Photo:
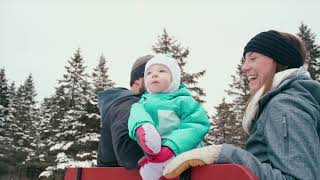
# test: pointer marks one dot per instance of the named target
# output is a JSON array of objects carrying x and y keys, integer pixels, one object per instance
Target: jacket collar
[{"x": 280, "y": 81}]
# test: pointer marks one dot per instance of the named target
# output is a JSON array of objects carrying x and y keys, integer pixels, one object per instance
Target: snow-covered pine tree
[
  {"x": 74, "y": 143},
  {"x": 222, "y": 124},
  {"x": 7, "y": 161},
  {"x": 75, "y": 82},
  {"x": 25, "y": 125},
  {"x": 13, "y": 111},
  {"x": 101, "y": 79},
  {"x": 230, "y": 113},
  {"x": 313, "y": 50},
  {"x": 13, "y": 98},
  {"x": 52, "y": 111},
  {"x": 239, "y": 92},
  {"x": 4, "y": 89},
  {"x": 168, "y": 45}
]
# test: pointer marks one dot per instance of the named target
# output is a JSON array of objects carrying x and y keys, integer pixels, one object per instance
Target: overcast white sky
[{"x": 39, "y": 36}]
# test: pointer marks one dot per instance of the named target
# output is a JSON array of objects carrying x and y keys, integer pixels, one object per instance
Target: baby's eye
[
  {"x": 148, "y": 72},
  {"x": 162, "y": 70}
]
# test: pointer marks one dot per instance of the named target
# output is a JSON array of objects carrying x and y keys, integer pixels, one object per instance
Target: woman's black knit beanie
[{"x": 273, "y": 45}]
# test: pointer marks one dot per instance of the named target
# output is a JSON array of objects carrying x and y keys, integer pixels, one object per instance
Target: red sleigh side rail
[{"x": 208, "y": 172}]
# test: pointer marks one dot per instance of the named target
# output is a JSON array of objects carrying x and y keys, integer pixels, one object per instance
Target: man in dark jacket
[{"x": 116, "y": 148}]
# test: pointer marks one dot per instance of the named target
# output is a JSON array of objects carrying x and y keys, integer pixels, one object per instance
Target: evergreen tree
[
  {"x": 13, "y": 98},
  {"x": 239, "y": 91},
  {"x": 52, "y": 111},
  {"x": 26, "y": 114},
  {"x": 12, "y": 110},
  {"x": 167, "y": 45},
  {"x": 222, "y": 125},
  {"x": 313, "y": 50},
  {"x": 6, "y": 132},
  {"x": 227, "y": 122},
  {"x": 75, "y": 82},
  {"x": 72, "y": 140},
  {"x": 25, "y": 125},
  {"x": 101, "y": 79},
  {"x": 4, "y": 89}
]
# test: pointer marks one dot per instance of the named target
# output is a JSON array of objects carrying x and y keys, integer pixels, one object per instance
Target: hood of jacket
[{"x": 107, "y": 97}]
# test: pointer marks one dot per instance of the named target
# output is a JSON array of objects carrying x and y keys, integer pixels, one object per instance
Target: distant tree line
[{"x": 41, "y": 139}]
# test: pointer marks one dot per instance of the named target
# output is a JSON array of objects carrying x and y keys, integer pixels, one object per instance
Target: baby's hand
[
  {"x": 149, "y": 139},
  {"x": 152, "y": 167}
]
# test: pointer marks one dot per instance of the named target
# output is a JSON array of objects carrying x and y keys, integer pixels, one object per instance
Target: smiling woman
[
  {"x": 270, "y": 53},
  {"x": 282, "y": 116},
  {"x": 260, "y": 70}
]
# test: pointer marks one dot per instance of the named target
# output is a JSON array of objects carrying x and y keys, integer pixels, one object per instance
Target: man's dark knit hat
[
  {"x": 137, "y": 70},
  {"x": 273, "y": 45}
]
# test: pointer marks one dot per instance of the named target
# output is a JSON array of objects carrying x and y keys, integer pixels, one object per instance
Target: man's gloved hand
[
  {"x": 149, "y": 139},
  {"x": 152, "y": 167},
  {"x": 195, "y": 157}
]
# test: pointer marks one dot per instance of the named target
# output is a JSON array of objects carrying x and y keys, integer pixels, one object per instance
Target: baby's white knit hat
[{"x": 172, "y": 65}]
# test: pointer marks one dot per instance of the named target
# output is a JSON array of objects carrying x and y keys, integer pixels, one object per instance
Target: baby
[{"x": 167, "y": 120}]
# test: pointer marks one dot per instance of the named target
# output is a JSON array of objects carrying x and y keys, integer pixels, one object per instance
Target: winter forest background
[{"x": 41, "y": 139}]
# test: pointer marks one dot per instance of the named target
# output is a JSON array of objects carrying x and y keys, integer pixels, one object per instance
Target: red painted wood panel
[{"x": 213, "y": 171}]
